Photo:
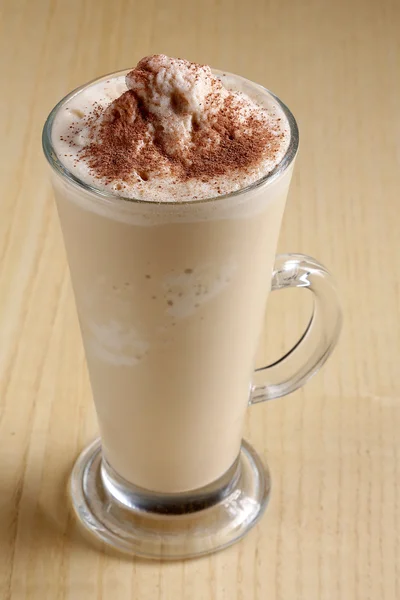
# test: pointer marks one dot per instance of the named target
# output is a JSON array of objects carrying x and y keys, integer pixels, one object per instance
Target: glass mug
[{"x": 171, "y": 300}]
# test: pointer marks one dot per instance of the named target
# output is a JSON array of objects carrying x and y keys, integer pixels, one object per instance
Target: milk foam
[{"x": 71, "y": 132}]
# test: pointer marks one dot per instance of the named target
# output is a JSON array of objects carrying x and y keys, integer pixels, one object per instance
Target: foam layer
[{"x": 169, "y": 130}]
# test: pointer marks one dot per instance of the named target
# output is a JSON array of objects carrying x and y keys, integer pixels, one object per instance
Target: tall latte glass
[{"x": 171, "y": 299}]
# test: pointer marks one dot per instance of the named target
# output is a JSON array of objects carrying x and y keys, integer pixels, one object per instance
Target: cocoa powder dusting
[{"x": 129, "y": 144}]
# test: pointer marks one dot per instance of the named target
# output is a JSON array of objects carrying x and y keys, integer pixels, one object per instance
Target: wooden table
[{"x": 332, "y": 529}]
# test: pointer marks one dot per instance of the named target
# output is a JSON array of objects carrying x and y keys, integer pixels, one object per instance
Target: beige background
[{"x": 332, "y": 529}]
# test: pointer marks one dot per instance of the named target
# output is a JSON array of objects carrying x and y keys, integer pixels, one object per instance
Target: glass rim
[{"x": 60, "y": 169}]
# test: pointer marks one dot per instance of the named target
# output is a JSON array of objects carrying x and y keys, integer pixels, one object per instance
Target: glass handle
[{"x": 319, "y": 339}]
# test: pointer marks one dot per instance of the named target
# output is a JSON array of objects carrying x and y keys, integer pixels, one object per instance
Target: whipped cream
[{"x": 170, "y": 130}]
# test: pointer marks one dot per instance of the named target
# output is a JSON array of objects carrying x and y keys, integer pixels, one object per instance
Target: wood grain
[{"x": 332, "y": 529}]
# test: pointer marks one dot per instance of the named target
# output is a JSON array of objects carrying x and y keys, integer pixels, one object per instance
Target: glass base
[{"x": 168, "y": 526}]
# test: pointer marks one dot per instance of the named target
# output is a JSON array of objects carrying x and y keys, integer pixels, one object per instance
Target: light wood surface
[{"x": 332, "y": 529}]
